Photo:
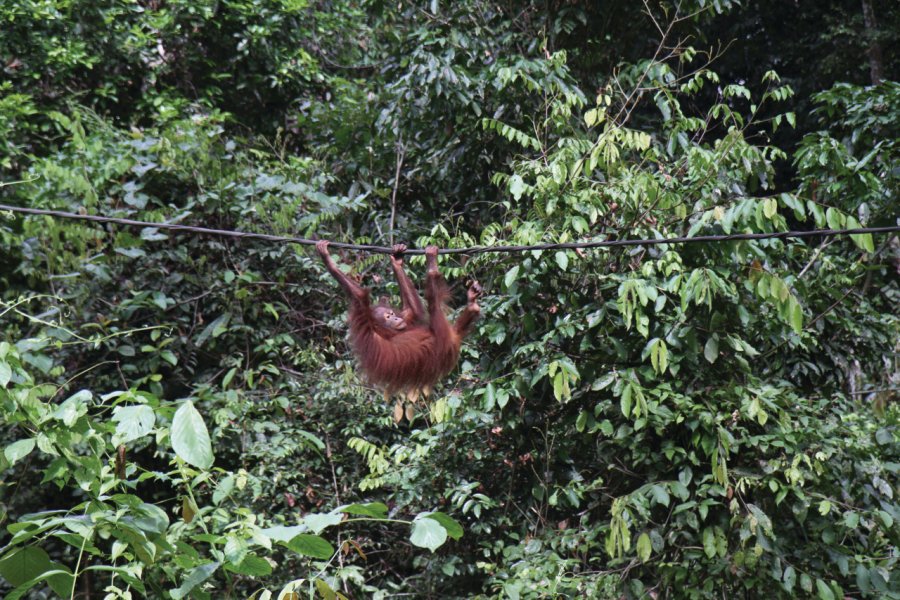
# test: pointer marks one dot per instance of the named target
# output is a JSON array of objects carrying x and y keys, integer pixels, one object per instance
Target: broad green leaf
[
  {"x": 73, "y": 408},
  {"x": 834, "y": 218},
  {"x": 561, "y": 390},
  {"x": 490, "y": 397},
  {"x": 311, "y": 545},
  {"x": 796, "y": 316},
  {"x": 235, "y": 549},
  {"x": 502, "y": 398},
  {"x": 5, "y": 374},
  {"x": 625, "y": 400},
  {"x": 126, "y": 574},
  {"x": 252, "y": 566},
  {"x": 806, "y": 583},
  {"x": 312, "y": 440},
  {"x": 711, "y": 349},
  {"x": 562, "y": 259},
  {"x": 824, "y": 591},
  {"x": 190, "y": 438},
  {"x": 659, "y": 355},
  {"x": 325, "y": 590},
  {"x": 603, "y": 382},
  {"x": 863, "y": 241},
  {"x": 511, "y": 276},
  {"x": 150, "y": 518},
  {"x": 284, "y": 533},
  {"x": 223, "y": 489},
  {"x": 317, "y": 522},
  {"x": 863, "y": 581},
  {"x": 454, "y": 529},
  {"x": 709, "y": 542},
  {"x": 660, "y": 495},
  {"x": 29, "y": 564},
  {"x": 606, "y": 427},
  {"x": 197, "y": 576},
  {"x": 133, "y": 422},
  {"x": 23, "y": 589},
  {"x": 18, "y": 450},
  {"x": 377, "y": 510},
  {"x": 161, "y": 300},
  {"x": 789, "y": 578},
  {"x": 214, "y": 329},
  {"x": 516, "y": 186},
  {"x": 131, "y": 252},
  {"x": 644, "y": 547},
  {"x": 228, "y": 377},
  {"x": 680, "y": 490},
  {"x": 427, "y": 533},
  {"x": 581, "y": 421}
]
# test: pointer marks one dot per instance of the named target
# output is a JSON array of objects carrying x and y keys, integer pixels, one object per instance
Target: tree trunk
[{"x": 876, "y": 60}]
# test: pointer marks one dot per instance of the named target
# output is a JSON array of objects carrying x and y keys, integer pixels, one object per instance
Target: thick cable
[{"x": 471, "y": 250}]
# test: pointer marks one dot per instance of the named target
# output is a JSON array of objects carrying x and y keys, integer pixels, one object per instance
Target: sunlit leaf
[
  {"x": 18, "y": 450},
  {"x": 5, "y": 373},
  {"x": 454, "y": 529},
  {"x": 711, "y": 349},
  {"x": 190, "y": 438},
  {"x": 428, "y": 533},
  {"x": 133, "y": 422},
  {"x": 644, "y": 548},
  {"x": 318, "y": 522}
]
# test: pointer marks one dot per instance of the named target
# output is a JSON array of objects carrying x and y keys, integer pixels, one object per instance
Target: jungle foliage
[{"x": 180, "y": 416}]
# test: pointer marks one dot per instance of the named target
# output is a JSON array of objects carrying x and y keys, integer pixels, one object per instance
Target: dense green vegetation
[{"x": 180, "y": 416}]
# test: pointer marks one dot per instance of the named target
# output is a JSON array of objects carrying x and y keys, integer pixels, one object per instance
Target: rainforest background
[{"x": 180, "y": 416}]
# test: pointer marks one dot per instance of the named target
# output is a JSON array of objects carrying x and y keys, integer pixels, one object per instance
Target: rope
[{"x": 473, "y": 250}]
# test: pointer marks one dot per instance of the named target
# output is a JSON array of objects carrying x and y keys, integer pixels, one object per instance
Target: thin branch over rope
[{"x": 472, "y": 250}]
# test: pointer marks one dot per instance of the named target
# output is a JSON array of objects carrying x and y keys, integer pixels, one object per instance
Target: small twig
[
  {"x": 825, "y": 243},
  {"x": 401, "y": 154},
  {"x": 864, "y": 392}
]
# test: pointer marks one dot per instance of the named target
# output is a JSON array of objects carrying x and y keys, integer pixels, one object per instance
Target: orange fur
[
  {"x": 399, "y": 361},
  {"x": 411, "y": 353}
]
